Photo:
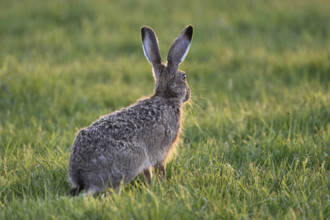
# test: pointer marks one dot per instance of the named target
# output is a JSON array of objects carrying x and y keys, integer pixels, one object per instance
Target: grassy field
[{"x": 256, "y": 134}]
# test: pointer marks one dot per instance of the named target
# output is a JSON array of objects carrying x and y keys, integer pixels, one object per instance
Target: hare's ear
[
  {"x": 180, "y": 47},
  {"x": 150, "y": 46}
]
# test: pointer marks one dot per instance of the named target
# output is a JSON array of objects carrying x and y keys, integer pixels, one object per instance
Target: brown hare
[{"x": 119, "y": 146}]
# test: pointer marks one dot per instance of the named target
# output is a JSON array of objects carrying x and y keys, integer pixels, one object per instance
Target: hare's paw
[
  {"x": 148, "y": 174},
  {"x": 160, "y": 170}
]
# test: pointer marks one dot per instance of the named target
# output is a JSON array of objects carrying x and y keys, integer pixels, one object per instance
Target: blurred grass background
[{"x": 256, "y": 137}]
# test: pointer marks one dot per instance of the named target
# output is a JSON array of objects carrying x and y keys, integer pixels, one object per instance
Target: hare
[{"x": 119, "y": 146}]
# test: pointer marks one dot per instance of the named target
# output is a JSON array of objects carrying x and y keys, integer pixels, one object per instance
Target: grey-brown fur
[{"x": 122, "y": 144}]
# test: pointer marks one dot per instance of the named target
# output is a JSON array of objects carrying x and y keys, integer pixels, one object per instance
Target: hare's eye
[{"x": 184, "y": 76}]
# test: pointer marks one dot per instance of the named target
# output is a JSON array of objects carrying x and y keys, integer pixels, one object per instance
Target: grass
[{"x": 256, "y": 137}]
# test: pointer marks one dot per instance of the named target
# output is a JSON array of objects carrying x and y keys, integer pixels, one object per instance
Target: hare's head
[{"x": 170, "y": 82}]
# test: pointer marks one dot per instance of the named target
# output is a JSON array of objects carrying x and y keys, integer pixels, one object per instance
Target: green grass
[{"x": 256, "y": 134}]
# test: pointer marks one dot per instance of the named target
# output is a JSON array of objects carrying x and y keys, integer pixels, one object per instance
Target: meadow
[{"x": 255, "y": 142}]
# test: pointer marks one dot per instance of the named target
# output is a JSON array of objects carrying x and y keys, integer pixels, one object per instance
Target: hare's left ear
[{"x": 180, "y": 48}]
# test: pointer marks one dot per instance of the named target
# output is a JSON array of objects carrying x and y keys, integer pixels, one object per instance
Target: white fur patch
[
  {"x": 146, "y": 48},
  {"x": 185, "y": 53}
]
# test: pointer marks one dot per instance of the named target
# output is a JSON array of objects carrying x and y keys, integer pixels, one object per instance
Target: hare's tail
[{"x": 77, "y": 182}]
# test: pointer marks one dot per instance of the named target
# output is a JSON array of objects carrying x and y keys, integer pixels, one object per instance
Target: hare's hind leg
[
  {"x": 92, "y": 190},
  {"x": 103, "y": 179}
]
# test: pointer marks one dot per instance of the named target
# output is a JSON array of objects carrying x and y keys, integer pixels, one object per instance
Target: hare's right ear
[
  {"x": 180, "y": 48},
  {"x": 150, "y": 46}
]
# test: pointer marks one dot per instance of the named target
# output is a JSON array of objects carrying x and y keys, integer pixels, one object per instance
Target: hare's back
[{"x": 135, "y": 126}]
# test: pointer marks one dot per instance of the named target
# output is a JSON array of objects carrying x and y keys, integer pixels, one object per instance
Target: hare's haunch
[{"x": 120, "y": 145}]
